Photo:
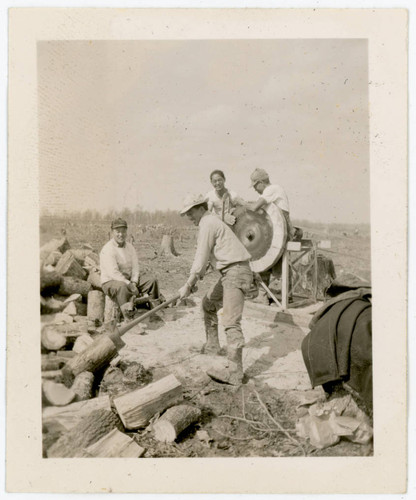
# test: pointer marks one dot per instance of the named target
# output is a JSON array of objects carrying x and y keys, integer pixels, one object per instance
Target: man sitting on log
[
  {"x": 272, "y": 197},
  {"x": 218, "y": 243},
  {"x": 120, "y": 276}
]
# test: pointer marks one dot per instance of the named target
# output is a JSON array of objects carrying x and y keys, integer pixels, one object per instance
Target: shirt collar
[{"x": 119, "y": 246}]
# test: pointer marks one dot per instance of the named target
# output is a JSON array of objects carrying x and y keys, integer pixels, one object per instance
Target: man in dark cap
[
  {"x": 272, "y": 197},
  {"x": 120, "y": 273}
]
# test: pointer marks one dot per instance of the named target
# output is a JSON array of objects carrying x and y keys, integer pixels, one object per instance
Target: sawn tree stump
[{"x": 167, "y": 247}]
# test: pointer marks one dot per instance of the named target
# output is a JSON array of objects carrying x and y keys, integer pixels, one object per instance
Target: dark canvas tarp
[{"x": 339, "y": 345}]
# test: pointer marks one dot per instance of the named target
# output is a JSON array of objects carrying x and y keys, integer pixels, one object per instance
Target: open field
[
  {"x": 350, "y": 252},
  {"x": 272, "y": 359}
]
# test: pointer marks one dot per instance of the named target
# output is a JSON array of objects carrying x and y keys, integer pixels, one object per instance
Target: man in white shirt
[
  {"x": 120, "y": 273},
  {"x": 219, "y": 245},
  {"x": 272, "y": 197},
  {"x": 222, "y": 201}
]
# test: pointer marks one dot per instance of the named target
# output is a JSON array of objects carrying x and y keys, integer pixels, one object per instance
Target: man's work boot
[
  {"x": 156, "y": 302},
  {"x": 212, "y": 345},
  {"x": 127, "y": 310},
  {"x": 232, "y": 372}
]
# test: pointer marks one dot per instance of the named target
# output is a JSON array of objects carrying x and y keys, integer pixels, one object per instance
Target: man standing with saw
[
  {"x": 219, "y": 245},
  {"x": 272, "y": 198}
]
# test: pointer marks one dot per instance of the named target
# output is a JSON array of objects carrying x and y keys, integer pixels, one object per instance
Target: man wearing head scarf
[
  {"x": 219, "y": 245},
  {"x": 120, "y": 273}
]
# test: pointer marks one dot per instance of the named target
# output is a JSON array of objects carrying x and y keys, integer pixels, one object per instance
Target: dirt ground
[{"x": 256, "y": 419}]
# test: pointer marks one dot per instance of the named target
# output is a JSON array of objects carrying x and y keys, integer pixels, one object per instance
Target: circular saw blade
[{"x": 263, "y": 235}]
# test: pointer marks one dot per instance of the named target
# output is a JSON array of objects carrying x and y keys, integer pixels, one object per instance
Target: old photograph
[
  {"x": 205, "y": 249},
  {"x": 135, "y": 139}
]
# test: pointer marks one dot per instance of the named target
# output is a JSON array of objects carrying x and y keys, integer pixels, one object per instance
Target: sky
[{"x": 143, "y": 123}]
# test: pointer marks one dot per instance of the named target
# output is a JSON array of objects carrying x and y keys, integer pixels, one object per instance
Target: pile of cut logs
[
  {"x": 94, "y": 402},
  {"x": 70, "y": 282}
]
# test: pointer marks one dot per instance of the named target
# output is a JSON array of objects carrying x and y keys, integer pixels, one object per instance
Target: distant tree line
[
  {"x": 169, "y": 218},
  {"x": 137, "y": 216}
]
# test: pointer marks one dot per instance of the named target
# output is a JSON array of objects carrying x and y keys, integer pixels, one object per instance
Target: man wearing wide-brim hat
[
  {"x": 219, "y": 245},
  {"x": 120, "y": 272}
]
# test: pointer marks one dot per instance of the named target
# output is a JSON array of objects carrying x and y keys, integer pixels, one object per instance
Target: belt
[{"x": 241, "y": 262}]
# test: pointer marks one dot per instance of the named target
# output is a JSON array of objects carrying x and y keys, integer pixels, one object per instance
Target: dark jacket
[{"x": 339, "y": 345}]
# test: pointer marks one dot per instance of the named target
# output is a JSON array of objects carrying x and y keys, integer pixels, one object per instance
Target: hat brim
[
  {"x": 118, "y": 226},
  {"x": 188, "y": 207}
]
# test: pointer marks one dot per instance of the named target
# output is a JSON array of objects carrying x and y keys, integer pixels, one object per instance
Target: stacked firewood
[
  {"x": 93, "y": 401},
  {"x": 83, "y": 421},
  {"x": 70, "y": 282}
]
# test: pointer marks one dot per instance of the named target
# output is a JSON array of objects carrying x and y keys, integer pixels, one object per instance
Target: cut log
[
  {"x": 49, "y": 280},
  {"x": 71, "y": 331},
  {"x": 75, "y": 297},
  {"x": 48, "y": 439},
  {"x": 51, "y": 338},
  {"x": 88, "y": 431},
  {"x": 49, "y": 363},
  {"x": 96, "y": 306},
  {"x": 70, "y": 309},
  {"x": 96, "y": 356},
  {"x": 68, "y": 266},
  {"x": 55, "y": 394},
  {"x": 60, "y": 245},
  {"x": 111, "y": 310},
  {"x": 81, "y": 343},
  {"x": 175, "y": 420},
  {"x": 115, "y": 444},
  {"x": 66, "y": 417},
  {"x": 53, "y": 258},
  {"x": 167, "y": 247},
  {"x": 63, "y": 318},
  {"x": 65, "y": 354},
  {"x": 80, "y": 254},
  {"x": 94, "y": 278},
  {"x": 70, "y": 285},
  {"x": 82, "y": 386},
  {"x": 92, "y": 261},
  {"x": 136, "y": 408},
  {"x": 55, "y": 375}
]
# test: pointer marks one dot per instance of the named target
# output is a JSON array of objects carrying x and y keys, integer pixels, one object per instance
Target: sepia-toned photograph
[
  {"x": 198, "y": 297},
  {"x": 205, "y": 249}
]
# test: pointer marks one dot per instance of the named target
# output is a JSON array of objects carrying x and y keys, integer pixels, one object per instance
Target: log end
[{"x": 164, "y": 431}]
